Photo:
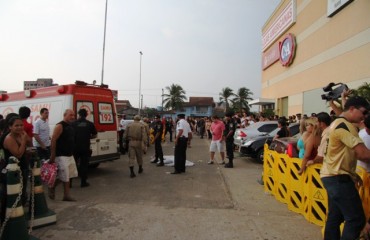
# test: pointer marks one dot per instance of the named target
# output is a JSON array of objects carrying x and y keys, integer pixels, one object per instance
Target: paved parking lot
[{"x": 207, "y": 202}]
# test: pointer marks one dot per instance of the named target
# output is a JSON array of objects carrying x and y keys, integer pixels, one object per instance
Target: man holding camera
[{"x": 338, "y": 172}]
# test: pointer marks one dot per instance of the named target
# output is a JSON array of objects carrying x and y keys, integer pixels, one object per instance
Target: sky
[{"x": 201, "y": 45}]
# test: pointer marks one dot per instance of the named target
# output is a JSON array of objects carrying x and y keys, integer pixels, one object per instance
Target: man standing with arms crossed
[
  {"x": 183, "y": 136},
  {"x": 338, "y": 172}
]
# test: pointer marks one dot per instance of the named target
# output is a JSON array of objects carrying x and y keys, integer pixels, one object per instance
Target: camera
[{"x": 334, "y": 91}]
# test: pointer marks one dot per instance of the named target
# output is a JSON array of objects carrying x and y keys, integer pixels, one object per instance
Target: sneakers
[
  {"x": 223, "y": 163},
  {"x": 210, "y": 162}
]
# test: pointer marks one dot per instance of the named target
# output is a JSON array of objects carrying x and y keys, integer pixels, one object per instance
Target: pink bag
[{"x": 49, "y": 173}]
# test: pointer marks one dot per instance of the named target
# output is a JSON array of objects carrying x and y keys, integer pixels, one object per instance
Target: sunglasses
[{"x": 364, "y": 112}]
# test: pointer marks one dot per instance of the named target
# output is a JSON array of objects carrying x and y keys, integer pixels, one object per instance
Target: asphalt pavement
[{"x": 207, "y": 202}]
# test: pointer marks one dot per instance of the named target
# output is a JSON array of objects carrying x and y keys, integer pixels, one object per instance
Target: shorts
[
  {"x": 66, "y": 168},
  {"x": 216, "y": 145}
]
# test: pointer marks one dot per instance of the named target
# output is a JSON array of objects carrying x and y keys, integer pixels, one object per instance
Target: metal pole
[
  {"x": 105, "y": 27},
  {"x": 141, "y": 54},
  {"x": 141, "y": 100},
  {"x": 162, "y": 99}
]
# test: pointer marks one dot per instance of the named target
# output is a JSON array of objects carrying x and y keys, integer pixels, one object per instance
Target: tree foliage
[
  {"x": 175, "y": 97},
  {"x": 225, "y": 95},
  {"x": 241, "y": 98}
]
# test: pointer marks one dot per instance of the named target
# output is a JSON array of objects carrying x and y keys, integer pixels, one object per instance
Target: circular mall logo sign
[{"x": 287, "y": 50}]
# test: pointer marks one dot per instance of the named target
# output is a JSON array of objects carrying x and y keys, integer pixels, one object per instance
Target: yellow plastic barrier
[
  {"x": 269, "y": 171},
  {"x": 295, "y": 186},
  {"x": 317, "y": 196},
  {"x": 281, "y": 192},
  {"x": 303, "y": 194}
]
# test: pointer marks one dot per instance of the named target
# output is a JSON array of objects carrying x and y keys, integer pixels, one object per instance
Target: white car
[{"x": 258, "y": 128}]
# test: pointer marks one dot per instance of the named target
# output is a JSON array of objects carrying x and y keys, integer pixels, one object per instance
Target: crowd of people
[
  {"x": 333, "y": 140},
  {"x": 68, "y": 146}
]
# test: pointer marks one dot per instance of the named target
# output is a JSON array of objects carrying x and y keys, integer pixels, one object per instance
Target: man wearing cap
[
  {"x": 338, "y": 172},
  {"x": 84, "y": 131},
  {"x": 137, "y": 138},
  {"x": 158, "y": 131},
  {"x": 230, "y": 127},
  {"x": 183, "y": 136}
]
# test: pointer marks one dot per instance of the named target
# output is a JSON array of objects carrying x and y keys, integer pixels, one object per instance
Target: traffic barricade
[
  {"x": 317, "y": 196},
  {"x": 295, "y": 186},
  {"x": 281, "y": 183},
  {"x": 269, "y": 171},
  {"x": 364, "y": 190}
]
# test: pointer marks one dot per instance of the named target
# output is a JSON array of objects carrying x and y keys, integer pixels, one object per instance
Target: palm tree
[
  {"x": 175, "y": 97},
  {"x": 225, "y": 95},
  {"x": 363, "y": 91},
  {"x": 240, "y": 101}
]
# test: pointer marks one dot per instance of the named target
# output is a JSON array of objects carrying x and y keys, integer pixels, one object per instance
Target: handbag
[{"x": 49, "y": 173}]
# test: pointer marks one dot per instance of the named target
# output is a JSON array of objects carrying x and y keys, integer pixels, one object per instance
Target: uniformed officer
[
  {"x": 230, "y": 127},
  {"x": 84, "y": 131},
  {"x": 136, "y": 135},
  {"x": 183, "y": 137},
  {"x": 158, "y": 131}
]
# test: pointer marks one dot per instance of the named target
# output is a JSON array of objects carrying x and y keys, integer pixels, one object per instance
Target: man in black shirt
[
  {"x": 84, "y": 131},
  {"x": 158, "y": 131},
  {"x": 230, "y": 127}
]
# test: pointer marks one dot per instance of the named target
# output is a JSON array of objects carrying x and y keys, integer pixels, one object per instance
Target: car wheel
[{"x": 260, "y": 155}]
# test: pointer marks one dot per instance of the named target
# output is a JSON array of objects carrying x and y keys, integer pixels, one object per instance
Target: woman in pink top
[{"x": 217, "y": 129}]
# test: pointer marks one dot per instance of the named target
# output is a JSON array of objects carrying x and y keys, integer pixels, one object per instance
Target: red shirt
[
  {"x": 217, "y": 129},
  {"x": 28, "y": 128}
]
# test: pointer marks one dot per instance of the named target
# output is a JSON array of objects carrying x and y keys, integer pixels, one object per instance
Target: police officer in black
[
  {"x": 158, "y": 131},
  {"x": 230, "y": 127},
  {"x": 84, "y": 131}
]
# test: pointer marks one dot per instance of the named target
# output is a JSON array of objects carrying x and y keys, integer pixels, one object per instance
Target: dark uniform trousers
[
  {"x": 158, "y": 149},
  {"x": 82, "y": 161},
  {"x": 180, "y": 154},
  {"x": 230, "y": 149}
]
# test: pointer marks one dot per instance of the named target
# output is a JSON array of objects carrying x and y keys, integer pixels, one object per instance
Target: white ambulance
[{"x": 97, "y": 100}]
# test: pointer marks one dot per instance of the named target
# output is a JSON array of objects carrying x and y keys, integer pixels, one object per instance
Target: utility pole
[
  {"x": 105, "y": 27},
  {"x": 141, "y": 54},
  {"x": 162, "y": 99}
]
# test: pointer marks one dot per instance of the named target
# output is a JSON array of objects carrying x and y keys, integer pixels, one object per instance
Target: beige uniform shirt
[{"x": 340, "y": 157}]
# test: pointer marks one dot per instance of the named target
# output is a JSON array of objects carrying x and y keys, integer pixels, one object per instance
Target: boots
[
  {"x": 161, "y": 163},
  {"x": 154, "y": 161},
  {"x": 140, "y": 169},
  {"x": 229, "y": 164},
  {"x": 132, "y": 174}
]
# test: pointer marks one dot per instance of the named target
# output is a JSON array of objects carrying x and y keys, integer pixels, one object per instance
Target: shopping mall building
[{"x": 308, "y": 44}]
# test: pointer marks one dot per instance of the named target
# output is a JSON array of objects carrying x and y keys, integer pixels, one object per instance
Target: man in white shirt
[
  {"x": 41, "y": 134},
  {"x": 123, "y": 124},
  {"x": 364, "y": 134},
  {"x": 183, "y": 137}
]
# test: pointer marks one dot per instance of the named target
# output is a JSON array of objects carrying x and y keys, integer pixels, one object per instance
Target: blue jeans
[{"x": 344, "y": 205}]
